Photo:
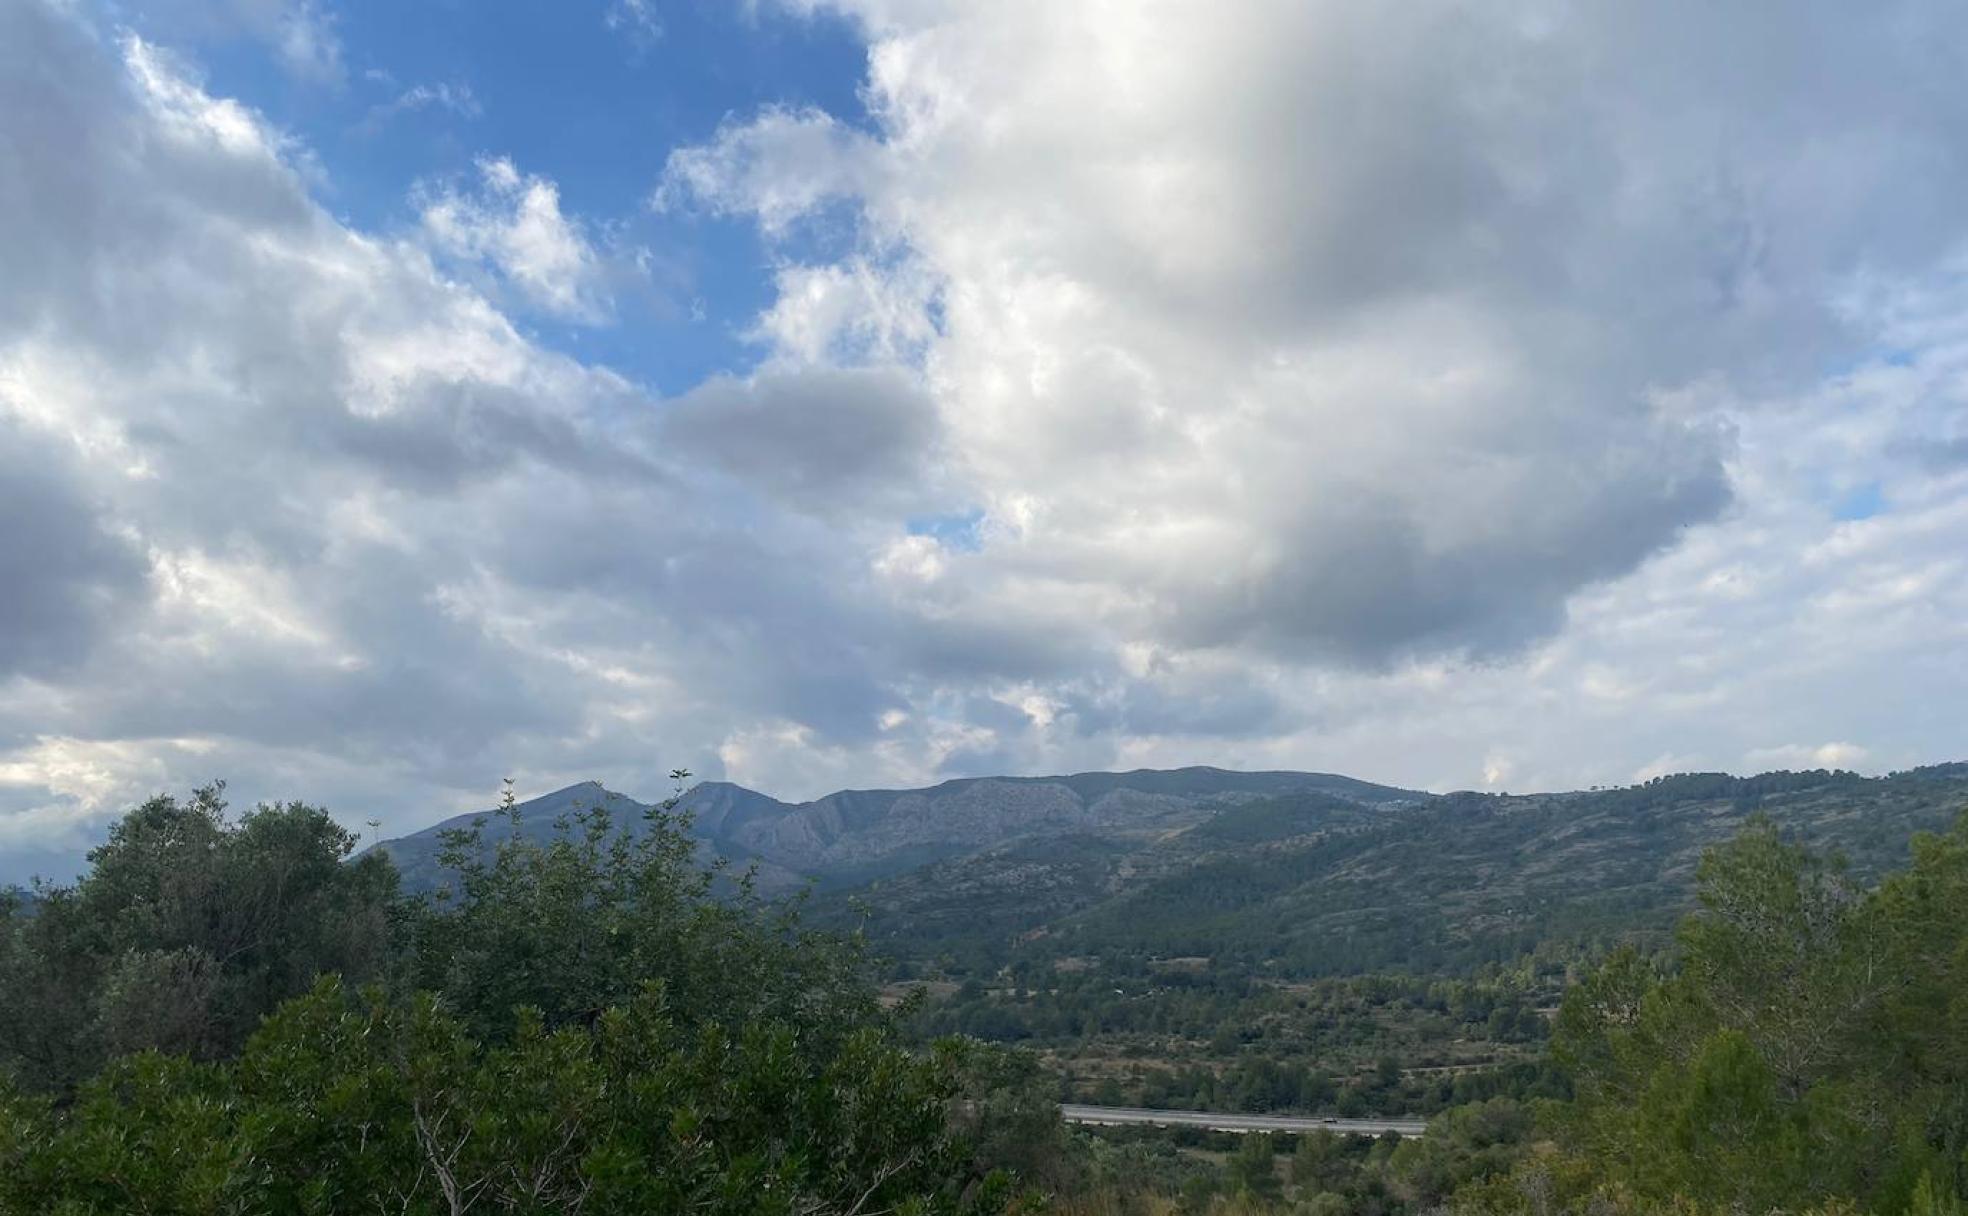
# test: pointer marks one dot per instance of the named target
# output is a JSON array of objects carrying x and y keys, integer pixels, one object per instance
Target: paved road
[{"x": 1113, "y": 1116}]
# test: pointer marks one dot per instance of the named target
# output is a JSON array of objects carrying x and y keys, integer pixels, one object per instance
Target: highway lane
[{"x": 1118, "y": 1116}]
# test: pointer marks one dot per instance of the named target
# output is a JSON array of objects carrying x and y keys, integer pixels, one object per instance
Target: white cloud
[
  {"x": 1802, "y": 756},
  {"x": 298, "y": 496},
  {"x": 635, "y": 20},
  {"x": 1345, "y": 343},
  {"x": 306, "y": 41},
  {"x": 456, "y": 99},
  {"x": 1442, "y": 399},
  {"x": 851, "y": 313},
  {"x": 778, "y": 168},
  {"x": 301, "y": 34},
  {"x": 514, "y": 224}
]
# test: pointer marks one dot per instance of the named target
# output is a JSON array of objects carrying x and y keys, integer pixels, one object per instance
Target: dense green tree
[
  {"x": 188, "y": 928},
  {"x": 356, "y": 1103},
  {"x": 599, "y": 1023},
  {"x": 1254, "y": 1167},
  {"x": 583, "y": 922},
  {"x": 1463, "y": 1144},
  {"x": 1807, "y": 1050}
]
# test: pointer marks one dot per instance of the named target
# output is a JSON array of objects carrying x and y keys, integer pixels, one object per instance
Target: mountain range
[
  {"x": 854, "y": 836},
  {"x": 1295, "y": 873},
  {"x": 1303, "y": 885}
]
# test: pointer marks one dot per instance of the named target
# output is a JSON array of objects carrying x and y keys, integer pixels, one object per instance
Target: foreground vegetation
[
  {"x": 236, "y": 1015},
  {"x": 591, "y": 1025}
]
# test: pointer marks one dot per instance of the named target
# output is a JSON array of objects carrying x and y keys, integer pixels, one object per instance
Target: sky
[{"x": 397, "y": 397}]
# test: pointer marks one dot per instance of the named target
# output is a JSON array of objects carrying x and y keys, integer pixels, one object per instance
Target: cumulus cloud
[
  {"x": 778, "y": 167},
  {"x": 1443, "y": 398},
  {"x": 854, "y": 313},
  {"x": 1347, "y": 334},
  {"x": 310, "y": 514},
  {"x": 513, "y": 223}
]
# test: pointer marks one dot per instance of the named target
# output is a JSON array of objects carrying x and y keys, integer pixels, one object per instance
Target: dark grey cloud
[
  {"x": 70, "y": 576},
  {"x": 827, "y": 440},
  {"x": 1369, "y": 585}
]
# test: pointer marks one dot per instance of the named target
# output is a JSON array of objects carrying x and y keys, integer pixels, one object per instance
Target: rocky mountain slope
[{"x": 857, "y": 835}]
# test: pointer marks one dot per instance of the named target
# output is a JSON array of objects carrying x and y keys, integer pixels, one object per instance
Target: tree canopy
[{"x": 599, "y": 1024}]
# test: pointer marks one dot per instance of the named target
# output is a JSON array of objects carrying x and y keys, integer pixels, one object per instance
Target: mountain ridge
[
  {"x": 1318, "y": 873},
  {"x": 855, "y": 835},
  {"x": 1300, "y": 887}
]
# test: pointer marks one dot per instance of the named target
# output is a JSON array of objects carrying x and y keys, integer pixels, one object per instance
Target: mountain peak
[
  {"x": 579, "y": 787},
  {"x": 589, "y": 787}
]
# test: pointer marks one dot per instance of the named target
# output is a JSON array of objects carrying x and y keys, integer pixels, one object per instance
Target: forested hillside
[
  {"x": 1307, "y": 885},
  {"x": 1314, "y": 955}
]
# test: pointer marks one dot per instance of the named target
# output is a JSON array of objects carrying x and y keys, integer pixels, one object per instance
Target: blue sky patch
[
  {"x": 427, "y": 90},
  {"x": 1864, "y": 502},
  {"x": 959, "y": 530}
]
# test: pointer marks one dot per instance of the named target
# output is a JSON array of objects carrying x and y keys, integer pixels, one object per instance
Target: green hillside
[{"x": 1307, "y": 885}]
